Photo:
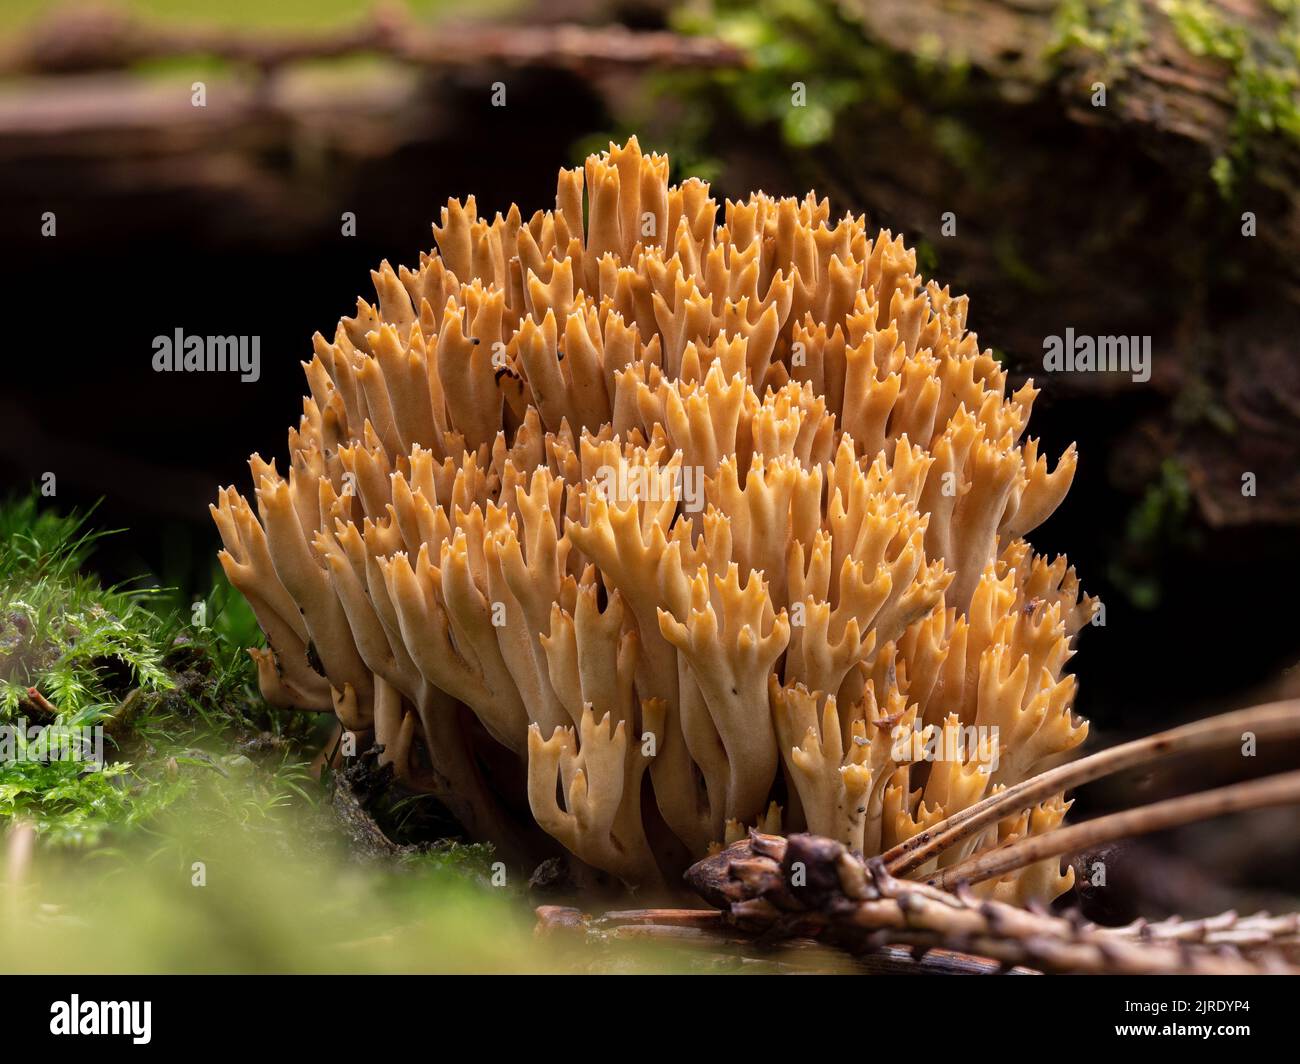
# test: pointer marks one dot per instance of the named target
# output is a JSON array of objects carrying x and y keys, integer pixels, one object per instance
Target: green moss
[
  {"x": 164, "y": 698},
  {"x": 1262, "y": 65},
  {"x": 927, "y": 257},
  {"x": 1159, "y": 521},
  {"x": 1114, "y": 29},
  {"x": 59, "y": 630},
  {"x": 1203, "y": 29},
  {"x": 1199, "y": 401},
  {"x": 1014, "y": 266},
  {"x": 815, "y": 45},
  {"x": 960, "y": 145}
]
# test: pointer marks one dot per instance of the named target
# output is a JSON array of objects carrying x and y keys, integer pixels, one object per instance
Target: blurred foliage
[
  {"x": 257, "y": 14},
  {"x": 204, "y": 891},
  {"x": 1159, "y": 525},
  {"x": 1115, "y": 30},
  {"x": 794, "y": 43}
]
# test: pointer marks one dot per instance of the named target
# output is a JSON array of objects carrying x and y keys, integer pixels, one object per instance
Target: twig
[
  {"x": 1257, "y": 794},
  {"x": 1276, "y": 720},
  {"x": 564, "y": 46},
  {"x": 38, "y": 702},
  {"x": 1250, "y": 934},
  {"x": 813, "y": 887},
  {"x": 713, "y": 940},
  {"x": 124, "y": 714}
]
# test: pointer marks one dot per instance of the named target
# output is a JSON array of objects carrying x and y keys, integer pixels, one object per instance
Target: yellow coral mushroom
[{"x": 658, "y": 528}]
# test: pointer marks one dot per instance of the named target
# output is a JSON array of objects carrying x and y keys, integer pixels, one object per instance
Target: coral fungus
[{"x": 661, "y": 528}]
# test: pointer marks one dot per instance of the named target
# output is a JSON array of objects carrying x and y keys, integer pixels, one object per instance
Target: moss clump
[
  {"x": 60, "y": 631},
  {"x": 1113, "y": 29},
  {"x": 816, "y": 45},
  {"x": 1265, "y": 74},
  {"x": 1158, "y": 524},
  {"x": 1262, "y": 64},
  {"x": 113, "y": 703}
]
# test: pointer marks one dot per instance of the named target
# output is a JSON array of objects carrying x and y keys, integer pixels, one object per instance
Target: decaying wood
[
  {"x": 284, "y": 143},
  {"x": 813, "y": 887},
  {"x": 1102, "y": 218},
  {"x": 1182, "y": 105},
  {"x": 90, "y": 38},
  {"x": 365, "y": 837}
]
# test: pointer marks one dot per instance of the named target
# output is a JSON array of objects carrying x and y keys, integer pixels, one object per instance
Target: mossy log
[{"x": 1124, "y": 168}]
